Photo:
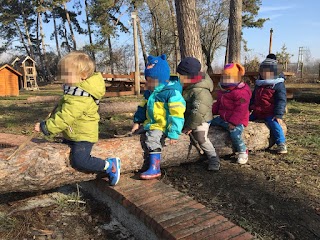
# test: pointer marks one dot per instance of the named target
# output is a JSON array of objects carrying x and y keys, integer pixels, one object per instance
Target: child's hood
[
  {"x": 171, "y": 85},
  {"x": 269, "y": 82},
  {"x": 204, "y": 83},
  {"x": 94, "y": 85}
]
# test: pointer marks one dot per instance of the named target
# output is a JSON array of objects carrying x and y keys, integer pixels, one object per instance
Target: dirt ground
[
  {"x": 61, "y": 214},
  {"x": 273, "y": 197}
]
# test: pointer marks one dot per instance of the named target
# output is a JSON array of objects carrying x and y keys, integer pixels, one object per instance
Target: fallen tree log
[{"x": 43, "y": 165}]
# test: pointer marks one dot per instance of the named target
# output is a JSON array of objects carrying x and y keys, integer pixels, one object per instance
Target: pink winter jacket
[{"x": 233, "y": 105}]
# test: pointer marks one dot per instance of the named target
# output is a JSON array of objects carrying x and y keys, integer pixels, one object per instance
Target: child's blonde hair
[{"x": 79, "y": 62}]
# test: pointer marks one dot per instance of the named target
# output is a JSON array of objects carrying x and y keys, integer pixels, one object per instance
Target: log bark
[{"x": 43, "y": 165}]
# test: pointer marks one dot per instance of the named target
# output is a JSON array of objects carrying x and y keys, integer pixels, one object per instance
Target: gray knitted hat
[{"x": 269, "y": 65}]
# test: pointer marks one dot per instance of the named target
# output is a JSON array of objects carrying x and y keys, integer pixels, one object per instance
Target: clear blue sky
[{"x": 295, "y": 23}]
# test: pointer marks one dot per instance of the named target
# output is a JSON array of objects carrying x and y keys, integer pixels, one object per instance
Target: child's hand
[
  {"x": 173, "y": 141},
  {"x": 37, "y": 127},
  {"x": 231, "y": 126},
  {"x": 187, "y": 130},
  {"x": 135, "y": 127}
]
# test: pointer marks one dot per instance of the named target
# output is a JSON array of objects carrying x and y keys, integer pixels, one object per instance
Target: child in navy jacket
[{"x": 269, "y": 101}]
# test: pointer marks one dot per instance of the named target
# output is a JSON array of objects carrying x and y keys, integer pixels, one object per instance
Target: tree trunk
[
  {"x": 70, "y": 27},
  {"x": 66, "y": 37},
  {"x": 56, "y": 33},
  {"x": 89, "y": 30},
  {"x": 27, "y": 35},
  {"x": 143, "y": 47},
  {"x": 21, "y": 37},
  {"x": 111, "y": 62},
  {"x": 42, "y": 67},
  {"x": 177, "y": 57},
  {"x": 155, "y": 30},
  {"x": 188, "y": 29},
  {"x": 48, "y": 72},
  {"x": 42, "y": 165},
  {"x": 235, "y": 27}
]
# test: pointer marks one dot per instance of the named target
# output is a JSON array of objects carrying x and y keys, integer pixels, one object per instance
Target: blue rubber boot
[
  {"x": 154, "y": 167},
  {"x": 113, "y": 170}
]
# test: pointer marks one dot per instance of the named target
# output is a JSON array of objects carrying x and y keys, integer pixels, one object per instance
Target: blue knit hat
[{"x": 158, "y": 68}]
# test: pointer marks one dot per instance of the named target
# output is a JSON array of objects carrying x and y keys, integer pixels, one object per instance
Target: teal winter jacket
[{"x": 163, "y": 109}]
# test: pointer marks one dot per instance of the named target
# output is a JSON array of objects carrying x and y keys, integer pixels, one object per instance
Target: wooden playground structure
[{"x": 27, "y": 66}]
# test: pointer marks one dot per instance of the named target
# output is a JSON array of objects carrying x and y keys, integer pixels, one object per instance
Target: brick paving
[{"x": 169, "y": 213}]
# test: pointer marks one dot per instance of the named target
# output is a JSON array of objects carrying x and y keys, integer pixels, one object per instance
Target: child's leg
[
  {"x": 276, "y": 130},
  {"x": 238, "y": 143},
  {"x": 82, "y": 160},
  {"x": 153, "y": 142},
  {"x": 236, "y": 138},
  {"x": 201, "y": 135},
  {"x": 218, "y": 121}
]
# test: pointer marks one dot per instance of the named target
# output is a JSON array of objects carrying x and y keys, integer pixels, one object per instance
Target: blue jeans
[
  {"x": 235, "y": 134},
  {"x": 275, "y": 128},
  {"x": 81, "y": 159}
]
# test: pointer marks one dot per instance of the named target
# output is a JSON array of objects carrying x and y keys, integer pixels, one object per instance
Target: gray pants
[
  {"x": 155, "y": 140},
  {"x": 201, "y": 135}
]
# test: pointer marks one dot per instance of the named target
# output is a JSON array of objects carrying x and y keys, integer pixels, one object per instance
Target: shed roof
[{"x": 11, "y": 68}]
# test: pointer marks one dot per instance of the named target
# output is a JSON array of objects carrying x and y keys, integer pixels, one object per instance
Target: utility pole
[
  {"x": 270, "y": 41},
  {"x": 300, "y": 62},
  {"x": 319, "y": 73},
  {"x": 134, "y": 17}
]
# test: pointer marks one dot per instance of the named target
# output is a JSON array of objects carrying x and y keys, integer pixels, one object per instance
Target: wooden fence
[{"x": 123, "y": 84}]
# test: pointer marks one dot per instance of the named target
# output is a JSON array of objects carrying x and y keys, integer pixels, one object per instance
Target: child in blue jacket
[{"x": 161, "y": 112}]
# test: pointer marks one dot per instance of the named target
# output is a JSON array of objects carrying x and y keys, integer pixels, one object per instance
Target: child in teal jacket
[
  {"x": 161, "y": 112},
  {"x": 77, "y": 117}
]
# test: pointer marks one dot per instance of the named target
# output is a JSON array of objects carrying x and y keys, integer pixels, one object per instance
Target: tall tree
[
  {"x": 177, "y": 56},
  {"x": 213, "y": 16},
  {"x": 188, "y": 28},
  {"x": 89, "y": 28},
  {"x": 103, "y": 13},
  {"x": 159, "y": 28},
  {"x": 41, "y": 8},
  {"x": 235, "y": 28},
  {"x": 136, "y": 5},
  {"x": 64, "y": 4},
  {"x": 55, "y": 32},
  {"x": 26, "y": 11}
]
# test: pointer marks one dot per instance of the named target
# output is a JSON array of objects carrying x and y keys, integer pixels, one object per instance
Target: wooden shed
[
  {"x": 9, "y": 81},
  {"x": 27, "y": 66}
]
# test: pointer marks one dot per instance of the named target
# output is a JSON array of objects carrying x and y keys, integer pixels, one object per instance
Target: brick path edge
[{"x": 154, "y": 210}]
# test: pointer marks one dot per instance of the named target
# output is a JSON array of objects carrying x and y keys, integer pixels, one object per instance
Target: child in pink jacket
[{"x": 232, "y": 106}]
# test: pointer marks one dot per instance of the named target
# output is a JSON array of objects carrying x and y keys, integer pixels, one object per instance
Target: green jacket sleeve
[{"x": 70, "y": 108}]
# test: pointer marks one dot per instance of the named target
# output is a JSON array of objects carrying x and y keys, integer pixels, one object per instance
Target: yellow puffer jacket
[{"x": 77, "y": 117}]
